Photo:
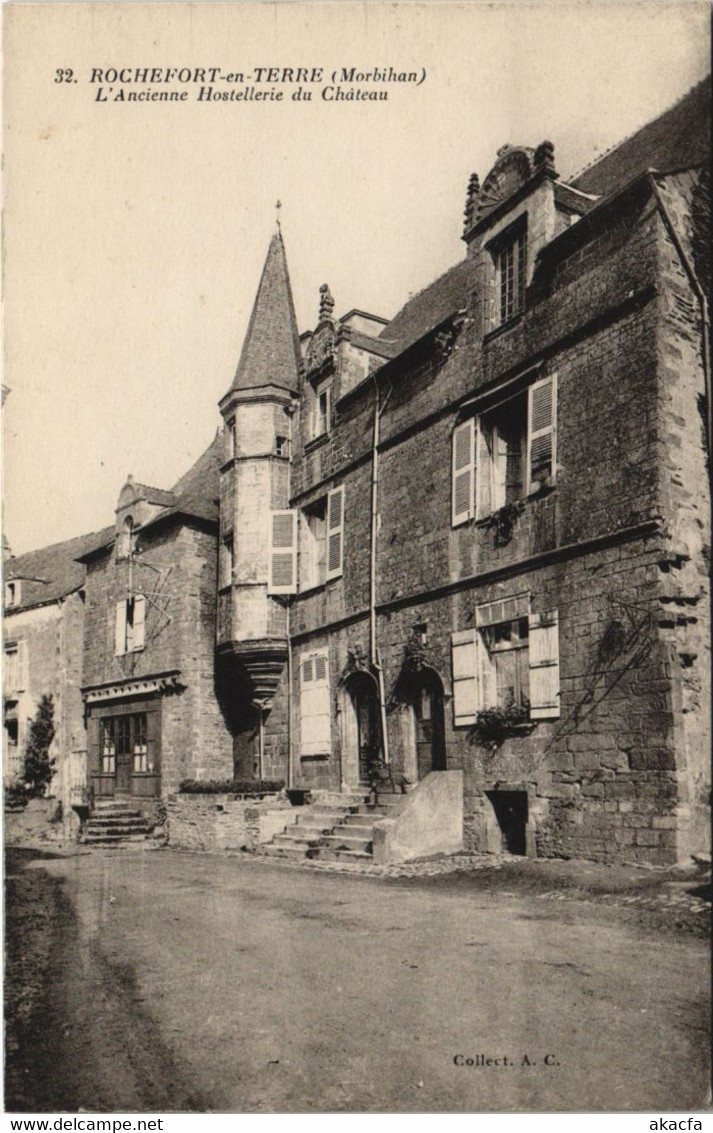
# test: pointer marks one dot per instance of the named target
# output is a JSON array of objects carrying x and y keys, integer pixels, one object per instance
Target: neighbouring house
[
  {"x": 155, "y": 714},
  {"x": 466, "y": 547},
  {"x": 42, "y": 646}
]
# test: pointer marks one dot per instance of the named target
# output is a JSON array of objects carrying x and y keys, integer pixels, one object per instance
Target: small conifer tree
[{"x": 37, "y": 774}]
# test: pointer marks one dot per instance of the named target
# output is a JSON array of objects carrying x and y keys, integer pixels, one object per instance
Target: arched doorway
[
  {"x": 362, "y": 725},
  {"x": 429, "y": 722}
]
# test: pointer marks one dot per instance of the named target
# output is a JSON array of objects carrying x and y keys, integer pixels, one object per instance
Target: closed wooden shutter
[
  {"x": 487, "y": 674},
  {"x": 120, "y": 629},
  {"x": 138, "y": 623},
  {"x": 335, "y": 533},
  {"x": 282, "y": 574},
  {"x": 22, "y": 667},
  {"x": 315, "y": 718},
  {"x": 465, "y": 677},
  {"x": 463, "y": 472},
  {"x": 544, "y": 666},
  {"x": 542, "y": 431}
]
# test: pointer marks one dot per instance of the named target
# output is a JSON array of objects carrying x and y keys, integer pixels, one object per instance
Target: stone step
[
  {"x": 361, "y": 821},
  {"x": 335, "y": 798},
  {"x": 134, "y": 822},
  {"x": 270, "y": 850},
  {"x": 381, "y": 810},
  {"x": 107, "y": 838},
  {"x": 338, "y": 842},
  {"x": 334, "y": 812},
  {"x": 117, "y": 832},
  {"x": 116, "y": 808},
  {"x": 287, "y": 841},
  {"x": 326, "y": 855},
  {"x": 316, "y": 826}
]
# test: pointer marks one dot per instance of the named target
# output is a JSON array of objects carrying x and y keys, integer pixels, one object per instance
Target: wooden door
[
  {"x": 124, "y": 754},
  {"x": 430, "y": 725}
]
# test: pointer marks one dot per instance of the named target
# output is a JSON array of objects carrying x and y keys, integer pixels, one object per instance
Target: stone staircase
[
  {"x": 334, "y": 827},
  {"x": 116, "y": 822}
]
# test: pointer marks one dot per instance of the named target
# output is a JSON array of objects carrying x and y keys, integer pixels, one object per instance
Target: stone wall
[
  {"x": 617, "y": 546},
  {"x": 223, "y": 822},
  {"x": 177, "y": 570}
]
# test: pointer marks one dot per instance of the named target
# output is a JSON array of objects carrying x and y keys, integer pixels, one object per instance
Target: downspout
[
  {"x": 290, "y": 771},
  {"x": 702, "y": 301},
  {"x": 373, "y": 643}
]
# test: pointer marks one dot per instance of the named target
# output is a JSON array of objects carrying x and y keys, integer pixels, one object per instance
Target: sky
[{"x": 135, "y": 233}]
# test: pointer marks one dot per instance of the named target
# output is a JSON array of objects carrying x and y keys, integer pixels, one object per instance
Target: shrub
[
  {"x": 231, "y": 786},
  {"x": 38, "y": 769}
]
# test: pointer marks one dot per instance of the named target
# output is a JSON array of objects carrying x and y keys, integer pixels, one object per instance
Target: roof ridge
[{"x": 55, "y": 546}]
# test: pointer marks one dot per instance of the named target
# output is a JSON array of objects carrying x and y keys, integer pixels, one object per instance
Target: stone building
[
  {"x": 474, "y": 537},
  {"x": 43, "y": 637},
  {"x": 154, "y": 711},
  {"x": 469, "y": 542}
]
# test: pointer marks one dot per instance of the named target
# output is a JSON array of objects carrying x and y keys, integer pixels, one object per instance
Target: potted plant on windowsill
[{"x": 493, "y": 725}]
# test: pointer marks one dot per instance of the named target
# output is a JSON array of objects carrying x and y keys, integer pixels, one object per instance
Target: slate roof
[
  {"x": 429, "y": 307},
  {"x": 271, "y": 350},
  {"x": 53, "y": 572},
  {"x": 197, "y": 492},
  {"x": 156, "y": 496},
  {"x": 678, "y": 138}
]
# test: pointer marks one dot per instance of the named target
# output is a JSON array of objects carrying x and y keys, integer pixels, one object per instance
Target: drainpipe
[
  {"x": 702, "y": 302},
  {"x": 261, "y": 742},
  {"x": 373, "y": 643},
  {"x": 290, "y": 770}
]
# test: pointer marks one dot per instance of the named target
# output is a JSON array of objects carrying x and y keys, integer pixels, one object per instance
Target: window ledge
[
  {"x": 314, "y": 758},
  {"x": 316, "y": 443},
  {"x": 503, "y": 327}
]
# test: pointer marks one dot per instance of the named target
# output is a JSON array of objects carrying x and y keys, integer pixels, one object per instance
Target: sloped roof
[
  {"x": 53, "y": 572},
  {"x": 678, "y": 138},
  {"x": 429, "y": 307},
  {"x": 197, "y": 491},
  {"x": 271, "y": 350},
  {"x": 156, "y": 496}
]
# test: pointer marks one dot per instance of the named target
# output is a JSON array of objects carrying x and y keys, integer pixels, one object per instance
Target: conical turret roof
[{"x": 271, "y": 350}]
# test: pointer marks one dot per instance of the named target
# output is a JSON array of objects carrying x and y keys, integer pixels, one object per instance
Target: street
[{"x": 161, "y": 981}]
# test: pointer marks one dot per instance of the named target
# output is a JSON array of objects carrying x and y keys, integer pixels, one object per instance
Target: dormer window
[
  {"x": 321, "y": 411},
  {"x": 510, "y": 256},
  {"x": 13, "y": 594},
  {"x": 127, "y": 539}
]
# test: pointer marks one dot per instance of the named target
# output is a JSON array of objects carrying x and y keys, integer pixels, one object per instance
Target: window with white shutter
[
  {"x": 465, "y": 677},
  {"x": 135, "y": 623},
  {"x": 542, "y": 432},
  {"x": 282, "y": 576},
  {"x": 130, "y": 625},
  {"x": 463, "y": 471},
  {"x": 315, "y": 717},
  {"x": 335, "y": 533},
  {"x": 544, "y": 666},
  {"x": 120, "y": 629}
]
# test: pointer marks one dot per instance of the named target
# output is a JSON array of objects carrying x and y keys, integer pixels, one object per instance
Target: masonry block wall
[
  {"x": 177, "y": 571},
  {"x": 617, "y": 545}
]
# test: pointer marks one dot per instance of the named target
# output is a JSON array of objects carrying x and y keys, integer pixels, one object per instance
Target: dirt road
[{"x": 164, "y": 981}]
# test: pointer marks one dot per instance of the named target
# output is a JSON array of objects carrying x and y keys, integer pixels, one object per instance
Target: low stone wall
[
  {"x": 430, "y": 821},
  {"x": 224, "y": 822},
  {"x": 38, "y": 821}
]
